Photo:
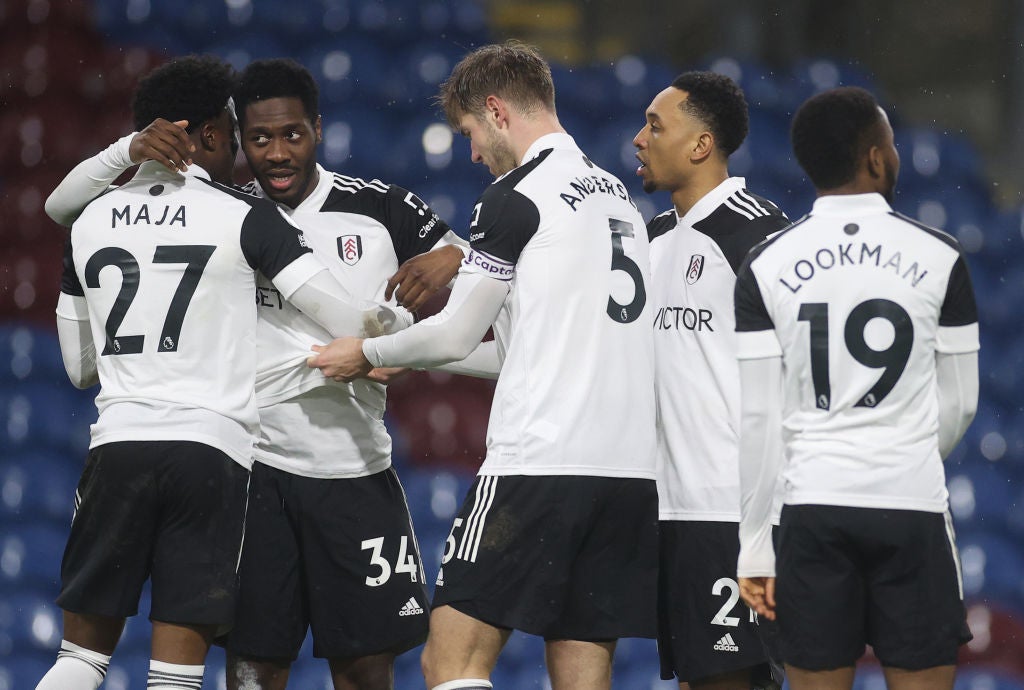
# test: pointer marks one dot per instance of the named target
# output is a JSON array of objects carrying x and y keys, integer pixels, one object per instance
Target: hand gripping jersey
[
  {"x": 167, "y": 266},
  {"x": 575, "y": 395},
  {"x": 362, "y": 231},
  {"x": 694, "y": 260},
  {"x": 858, "y": 300}
]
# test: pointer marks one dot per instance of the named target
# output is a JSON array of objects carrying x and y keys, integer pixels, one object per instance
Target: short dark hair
[
  {"x": 718, "y": 102},
  {"x": 512, "y": 70},
  {"x": 277, "y": 78},
  {"x": 194, "y": 88},
  {"x": 831, "y": 131}
]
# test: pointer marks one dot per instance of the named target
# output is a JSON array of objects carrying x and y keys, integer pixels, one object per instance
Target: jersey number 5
[
  {"x": 892, "y": 359},
  {"x": 625, "y": 313},
  {"x": 195, "y": 258}
]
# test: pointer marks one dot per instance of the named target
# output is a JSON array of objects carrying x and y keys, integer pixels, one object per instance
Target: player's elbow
[{"x": 57, "y": 212}]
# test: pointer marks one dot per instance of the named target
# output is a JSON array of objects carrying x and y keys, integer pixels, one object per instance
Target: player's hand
[
  {"x": 759, "y": 594},
  {"x": 421, "y": 276},
  {"x": 165, "y": 142},
  {"x": 341, "y": 359},
  {"x": 387, "y": 375}
]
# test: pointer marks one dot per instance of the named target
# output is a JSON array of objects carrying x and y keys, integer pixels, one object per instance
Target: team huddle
[{"x": 720, "y": 429}]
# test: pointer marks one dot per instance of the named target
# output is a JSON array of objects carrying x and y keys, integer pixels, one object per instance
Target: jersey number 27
[{"x": 195, "y": 258}]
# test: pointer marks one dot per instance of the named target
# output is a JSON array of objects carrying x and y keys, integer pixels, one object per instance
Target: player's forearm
[
  {"x": 323, "y": 299},
  {"x": 957, "y": 382},
  {"x": 77, "y": 348},
  {"x": 482, "y": 363},
  {"x": 449, "y": 336},
  {"x": 760, "y": 454},
  {"x": 88, "y": 180}
]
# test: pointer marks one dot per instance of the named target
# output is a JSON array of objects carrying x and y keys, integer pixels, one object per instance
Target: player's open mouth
[
  {"x": 640, "y": 168},
  {"x": 280, "y": 182}
]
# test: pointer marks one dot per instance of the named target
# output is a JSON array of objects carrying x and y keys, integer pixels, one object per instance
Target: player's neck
[
  {"x": 533, "y": 128},
  {"x": 700, "y": 185}
]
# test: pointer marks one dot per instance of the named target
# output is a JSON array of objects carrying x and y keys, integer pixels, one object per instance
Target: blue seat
[
  {"x": 27, "y": 352},
  {"x": 24, "y": 670},
  {"x": 39, "y": 485},
  {"x": 992, "y": 565},
  {"x": 987, "y": 679},
  {"x": 31, "y": 556},
  {"x": 31, "y": 624},
  {"x": 989, "y": 487},
  {"x": 310, "y": 673}
]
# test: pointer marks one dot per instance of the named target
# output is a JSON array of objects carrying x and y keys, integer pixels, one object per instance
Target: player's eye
[
  {"x": 259, "y": 139},
  {"x": 293, "y": 135}
]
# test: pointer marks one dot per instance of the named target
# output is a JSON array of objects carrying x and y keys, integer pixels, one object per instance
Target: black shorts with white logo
[
  {"x": 335, "y": 555},
  {"x": 704, "y": 628},
  {"x": 563, "y": 557},
  {"x": 172, "y": 511},
  {"x": 847, "y": 577}
]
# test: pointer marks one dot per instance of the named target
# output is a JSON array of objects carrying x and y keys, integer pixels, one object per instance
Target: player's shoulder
[
  {"x": 741, "y": 222},
  {"x": 250, "y": 199},
  {"x": 661, "y": 224},
  {"x": 770, "y": 245},
  {"x": 356, "y": 195},
  {"x": 928, "y": 231}
]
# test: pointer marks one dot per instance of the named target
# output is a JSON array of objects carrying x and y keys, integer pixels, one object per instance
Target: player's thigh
[
  {"x": 612, "y": 591},
  {"x": 916, "y": 616},
  {"x": 705, "y": 629},
  {"x": 513, "y": 557},
  {"x": 107, "y": 557},
  {"x": 272, "y": 615},
  {"x": 363, "y": 571},
  {"x": 819, "y": 588},
  {"x": 203, "y": 501}
]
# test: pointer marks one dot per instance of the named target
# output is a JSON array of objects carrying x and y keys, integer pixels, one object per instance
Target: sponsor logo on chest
[{"x": 350, "y": 249}]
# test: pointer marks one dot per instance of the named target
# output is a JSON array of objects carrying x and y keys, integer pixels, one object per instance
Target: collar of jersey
[
  {"x": 152, "y": 168},
  {"x": 843, "y": 204},
  {"x": 555, "y": 140},
  {"x": 315, "y": 201},
  {"x": 710, "y": 201}
]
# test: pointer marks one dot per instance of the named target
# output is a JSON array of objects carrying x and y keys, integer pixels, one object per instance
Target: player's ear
[
  {"x": 208, "y": 136},
  {"x": 317, "y": 124},
  {"x": 496, "y": 110},
  {"x": 704, "y": 146},
  {"x": 875, "y": 163}
]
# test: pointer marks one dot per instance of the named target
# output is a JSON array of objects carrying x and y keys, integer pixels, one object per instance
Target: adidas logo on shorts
[
  {"x": 440, "y": 578},
  {"x": 410, "y": 608},
  {"x": 726, "y": 644}
]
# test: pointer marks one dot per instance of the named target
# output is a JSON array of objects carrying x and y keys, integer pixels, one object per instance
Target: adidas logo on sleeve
[
  {"x": 726, "y": 644},
  {"x": 411, "y": 608}
]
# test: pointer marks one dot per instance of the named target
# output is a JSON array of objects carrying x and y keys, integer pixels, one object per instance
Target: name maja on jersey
[{"x": 142, "y": 215}]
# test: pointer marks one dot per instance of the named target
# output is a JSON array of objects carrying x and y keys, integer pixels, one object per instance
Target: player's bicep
[
  {"x": 414, "y": 226},
  {"x": 271, "y": 243}
]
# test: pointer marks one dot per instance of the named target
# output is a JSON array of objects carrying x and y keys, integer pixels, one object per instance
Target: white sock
[
  {"x": 76, "y": 668},
  {"x": 465, "y": 684},
  {"x": 164, "y": 676}
]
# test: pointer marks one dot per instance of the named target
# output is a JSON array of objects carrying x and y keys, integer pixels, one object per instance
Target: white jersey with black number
[
  {"x": 858, "y": 300},
  {"x": 575, "y": 395},
  {"x": 166, "y": 264},
  {"x": 694, "y": 260},
  {"x": 362, "y": 231}
]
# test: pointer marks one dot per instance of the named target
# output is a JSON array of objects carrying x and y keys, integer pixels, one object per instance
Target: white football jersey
[
  {"x": 362, "y": 231},
  {"x": 858, "y": 299},
  {"x": 694, "y": 260},
  {"x": 166, "y": 264},
  {"x": 575, "y": 395}
]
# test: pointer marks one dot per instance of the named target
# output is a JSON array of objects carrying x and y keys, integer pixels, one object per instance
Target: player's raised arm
[
  {"x": 274, "y": 246},
  {"x": 161, "y": 141},
  {"x": 421, "y": 276}
]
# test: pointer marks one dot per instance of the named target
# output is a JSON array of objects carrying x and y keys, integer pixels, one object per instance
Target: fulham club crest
[
  {"x": 696, "y": 268},
  {"x": 350, "y": 248}
]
